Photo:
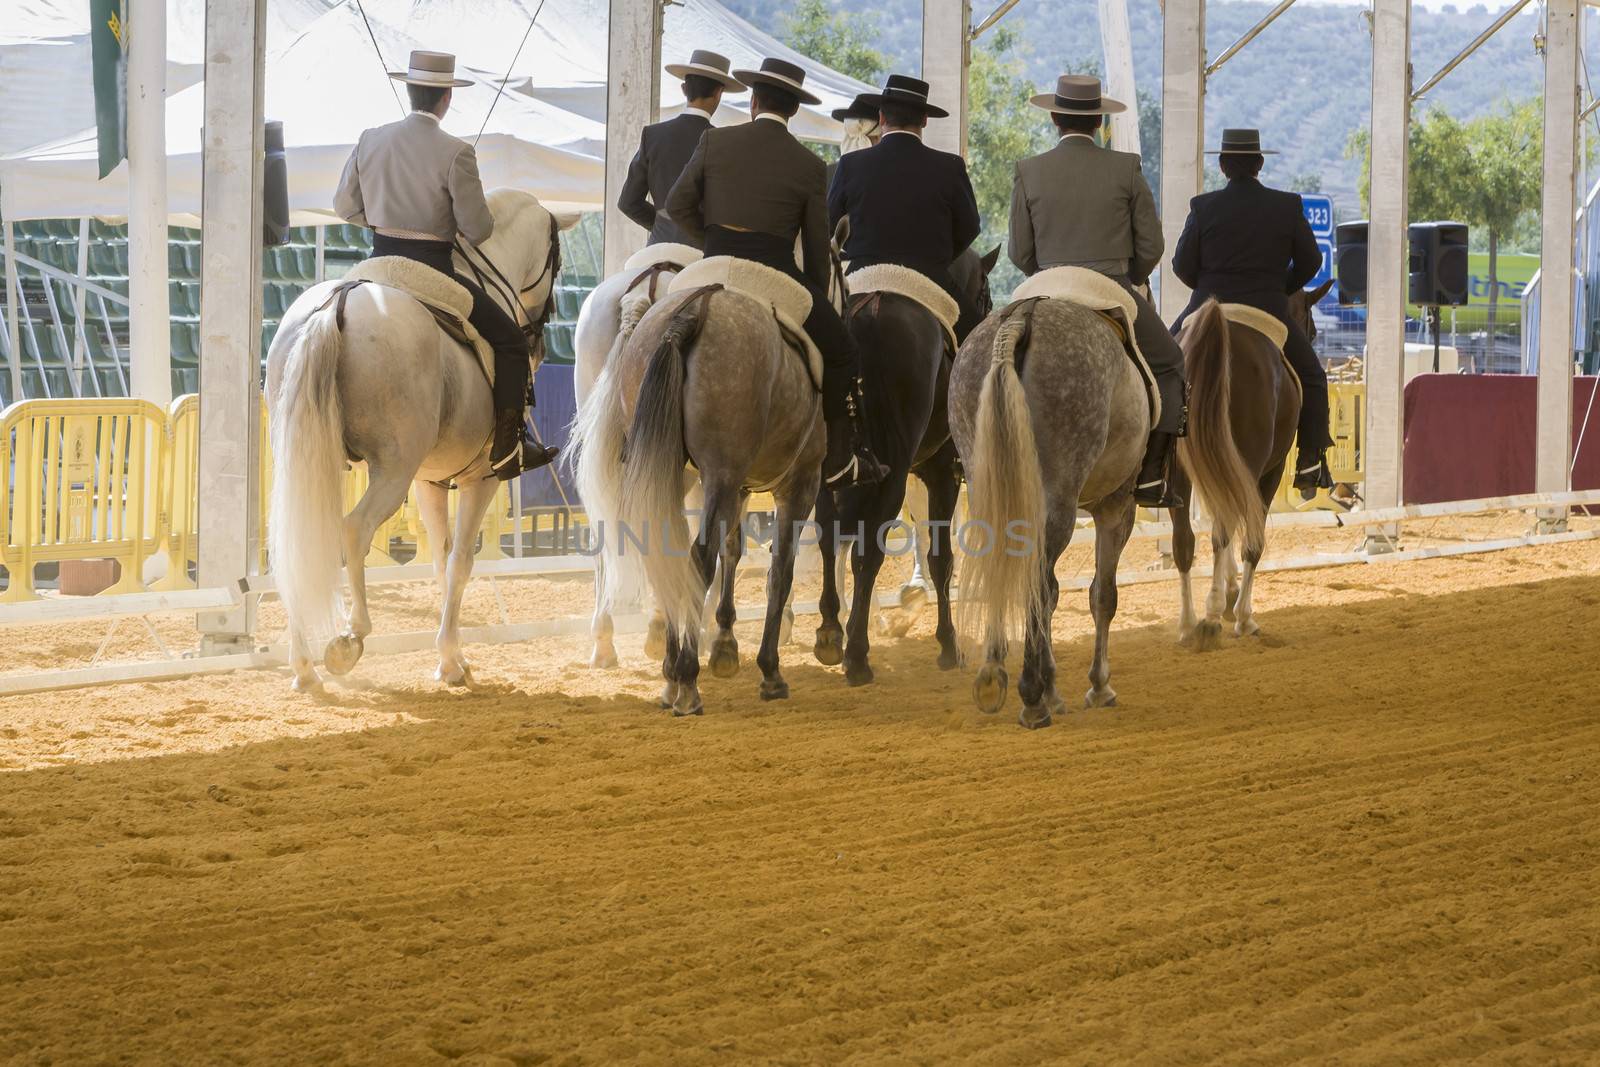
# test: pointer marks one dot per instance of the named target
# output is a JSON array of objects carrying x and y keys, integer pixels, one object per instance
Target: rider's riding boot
[
  {"x": 849, "y": 460},
  {"x": 1150, "y": 490},
  {"x": 514, "y": 449},
  {"x": 1311, "y": 473}
]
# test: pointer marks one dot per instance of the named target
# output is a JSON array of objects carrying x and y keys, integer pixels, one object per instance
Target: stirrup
[{"x": 1156, "y": 494}]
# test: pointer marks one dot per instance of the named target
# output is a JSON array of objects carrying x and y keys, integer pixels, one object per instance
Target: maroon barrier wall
[{"x": 1471, "y": 435}]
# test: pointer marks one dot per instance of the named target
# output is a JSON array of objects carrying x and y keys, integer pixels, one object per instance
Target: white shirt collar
[
  {"x": 775, "y": 117},
  {"x": 909, "y": 133},
  {"x": 430, "y": 116},
  {"x": 697, "y": 111},
  {"x": 1086, "y": 136}
]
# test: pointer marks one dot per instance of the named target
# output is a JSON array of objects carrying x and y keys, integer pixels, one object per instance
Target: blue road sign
[
  {"x": 1325, "y": 246},
  {"x": 1319, "y": 212}
]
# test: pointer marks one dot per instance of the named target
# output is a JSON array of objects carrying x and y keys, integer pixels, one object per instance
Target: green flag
[{"x": 108, "y": 31}]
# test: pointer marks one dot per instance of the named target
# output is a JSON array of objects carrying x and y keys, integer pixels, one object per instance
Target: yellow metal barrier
[
  {"x": 85, "y": 479},
  {"x": 1347, "y": 412}
]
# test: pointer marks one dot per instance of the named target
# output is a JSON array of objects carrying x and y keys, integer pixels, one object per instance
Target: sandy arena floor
[{"x": 1369, "y": 836}]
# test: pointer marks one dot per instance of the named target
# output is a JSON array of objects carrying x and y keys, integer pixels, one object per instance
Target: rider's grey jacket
[
  {"x": 412, "y": 179},
  {"x": 1084, "y": 206}
]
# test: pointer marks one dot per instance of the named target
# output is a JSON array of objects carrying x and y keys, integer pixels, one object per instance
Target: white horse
[{"x": 368, "y": 376}]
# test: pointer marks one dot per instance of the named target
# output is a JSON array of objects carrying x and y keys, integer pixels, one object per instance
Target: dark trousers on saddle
[
  {"x": 840, "y": 360},
  {"x": 1163, "y": 355},
  {"x": 967, "y": 318},
  {"x": 511, "y": 368},
  {"x": 1312, "y": 435}
]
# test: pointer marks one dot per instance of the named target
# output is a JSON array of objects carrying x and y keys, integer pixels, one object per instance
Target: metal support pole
[
  {"x": 1116, "y": 42},
  {"x": 633, "y": 99},
  {"x": 1183, "y": 130},
  {"x": 149, "y": 315},
  {"x": 13, "y": 313},
  {"x": 1553, "y": 448},
  {"x": 1249, "y": 35},
  {"x": 1477, "y": 42},
  {"x": 230, "y": 313},
  {"x": 1000, "y": 12},
  {"x": 1387, "y": 258},
  {"x": 80, "y": 340},
  {"x": 946, "y": 53}
]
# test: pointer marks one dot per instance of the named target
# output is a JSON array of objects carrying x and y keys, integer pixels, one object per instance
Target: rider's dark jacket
[{"x": 664, "y": 150}]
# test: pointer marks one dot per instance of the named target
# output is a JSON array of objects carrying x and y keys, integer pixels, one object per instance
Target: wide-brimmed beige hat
[
  {"x": 436, "y": 70},
  {"x": 1078, "y": 94},
  {"x": 706, "y": 64},
  {"x": 780, "y": 74}
]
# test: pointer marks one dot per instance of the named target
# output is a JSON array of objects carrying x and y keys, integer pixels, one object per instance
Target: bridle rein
[{"x": 494, "y": 282}]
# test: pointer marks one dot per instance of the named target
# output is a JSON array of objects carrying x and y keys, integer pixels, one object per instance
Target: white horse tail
[
  {"x": 1002, "y": 586},
  {"x": 599, "y": 432},
  {"x": 305, "y": 530},
  {"x": 651, "y": 502},
  {"x": 630, "y": 309},
  {"x": 1222, "y": 480}
]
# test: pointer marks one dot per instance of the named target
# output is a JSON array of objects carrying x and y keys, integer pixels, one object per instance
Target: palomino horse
[
  {"x": 1050, "y": 415},
  {"x": 1243, "y": 408},
  {"x": 907, "y": 372},
  {"x": 370, "y": 376},
  {"x": 707, "y": 378}
]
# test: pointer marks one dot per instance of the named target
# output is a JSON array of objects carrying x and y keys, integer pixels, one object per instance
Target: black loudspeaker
[
  {"x": 1439, "y": 274},
  {"x": 1350, "y": 261},
  {"x": 275, "y": 189}
]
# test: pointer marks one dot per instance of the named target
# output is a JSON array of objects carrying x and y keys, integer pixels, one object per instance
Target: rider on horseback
[
  {"x": 665, "y": 147},
  {"x": 908, "y": 204},
  {"x": 1248, "y": 244},
  {"x": 748, "y": 192},
  {"x": 1083, "y": 205},
  {"x": 417, "y": 187}
]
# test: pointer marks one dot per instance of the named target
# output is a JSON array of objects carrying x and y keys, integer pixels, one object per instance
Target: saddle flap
[
  {"x": 911, "y": 284},
  {"x": 1263, "y": 322},
  {"x": 447, "y": 299},
  {"x": 787, "y": 299}
]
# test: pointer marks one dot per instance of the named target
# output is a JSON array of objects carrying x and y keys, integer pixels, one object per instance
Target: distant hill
[{"x": 1306, "y": 81}]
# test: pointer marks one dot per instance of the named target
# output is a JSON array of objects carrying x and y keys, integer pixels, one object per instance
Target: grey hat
[
  {"x": 705, "y": 64},
  {"x": 1241, "y": 142},
  {"x": 436, "y": 70},
  {"x": 1078, "y": 94}
]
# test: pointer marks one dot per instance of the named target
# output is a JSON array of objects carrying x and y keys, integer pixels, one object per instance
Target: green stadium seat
[
  {"x": 185, "y": 380},
  {"x": 305, "y": 264},
  {"x": 558, "y": 338},
  {"x": 568, "y": 302}
]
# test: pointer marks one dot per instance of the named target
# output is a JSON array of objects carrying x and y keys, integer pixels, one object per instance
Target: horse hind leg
[
  {"x": 721, "y": 517},
  {"x": 1036, "y": 686},
  {"x": 724, "y": 657},
  {"x": 386, "y": 491},
  {"x": 829, "y": 645},
  {"x": 943, "y": 490},
  {"x": 602, "y": 628},
  {"x": 1208, "y": 631},
  {"x": 470, "y": 508},
  {"x": 1113, "y": 523},
  {"x": 793, "y": 503},
  {"x": 1254, "y": 547}
]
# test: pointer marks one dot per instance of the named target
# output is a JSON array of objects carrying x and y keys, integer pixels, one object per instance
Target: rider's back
[{"x": 411, "y": 178}]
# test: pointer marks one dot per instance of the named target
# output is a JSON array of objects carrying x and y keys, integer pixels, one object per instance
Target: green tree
[
  {"x": 835, "y": 39},
  {"x": 1002, "y": 128},
  {"x": 1483, "y": 173}
]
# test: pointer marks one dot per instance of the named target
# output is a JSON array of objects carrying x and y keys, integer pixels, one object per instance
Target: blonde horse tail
[
  {"x": 305, "y": 529},
  {"x": 1227, "y": 489},
  {"x": 1003, "y": 585},
  {"x": 650, "y": 504}
]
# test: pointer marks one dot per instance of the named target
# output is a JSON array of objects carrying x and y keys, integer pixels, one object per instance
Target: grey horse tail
[
  {"x": 1003, "y": 585},
  {"x": 654, "y": 454},
  {"x": 1224, "y": 482}
]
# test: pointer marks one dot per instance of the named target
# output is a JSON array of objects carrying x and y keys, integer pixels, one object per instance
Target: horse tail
[
  {"x": 599, "y": 431},
  {"x": 305, "y": 530},
  {"x": 1222, "y": 479},
  {"x": 650, "y": 505},
  {"x": 1002, "y": 586}
]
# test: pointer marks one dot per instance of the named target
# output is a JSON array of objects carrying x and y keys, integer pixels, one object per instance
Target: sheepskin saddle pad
[
  {"x": 447, "y": 298},
  {"x": 1093, "y": 290},
  {"x": 789, "y": 300},
  {"x": 1264, "y": 323},
  {"x": 912, "y": 284}
]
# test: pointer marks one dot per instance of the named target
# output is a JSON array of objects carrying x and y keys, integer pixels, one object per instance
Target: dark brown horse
[{"x": 1244, "y": 403}]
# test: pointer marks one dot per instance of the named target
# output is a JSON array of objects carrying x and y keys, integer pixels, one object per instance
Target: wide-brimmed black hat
[
  {"x": 704, "y": 64},
  {"x": 858, "y": 109},
  {"x": 1078, "y": 94},
  {"x": 902, "y": 89},
  {"x": 780, "y": 74},
  {"x": 1242, "y": 142}
]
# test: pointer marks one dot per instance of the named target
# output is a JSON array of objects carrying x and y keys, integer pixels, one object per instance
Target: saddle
[
  {"x": 1095, "y": 292},
  {"x": 913, "y": 285},
  {"x": 442, "y": 295},
  {"x": 1268, "y": 326},
  {"x": 787, "y": 299}
]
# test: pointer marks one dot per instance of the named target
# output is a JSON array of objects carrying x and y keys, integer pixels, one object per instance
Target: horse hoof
[
  {"x": 989, "y": 689},
  {"x": 1246, "y": 628},
  {"x": 669, "y": 695},
  {"x": 912, "y": 598},
  {"x": 689, "y": 703},
  {"x": 949, "y": 659},
  {"x": 1100, "y": 698},
  {"x": 829, "y": 648},
  {"x": 724, "y": 657},
  {"x": 778, "y": 690},
  {"x": 655, "y": 639},
  {"x": 342, "y": 654},
  {"x": 603, "y": 660},
  {"x": 454, "y": 674},
  {"x": 307, "y": 683},
  {"x": 1035, "y": 718},
  {"x": 858, "y": 674},
  {"x": 1207, "y": 636}
]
